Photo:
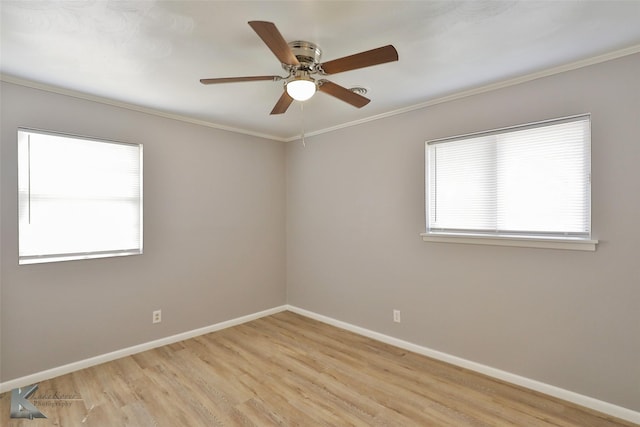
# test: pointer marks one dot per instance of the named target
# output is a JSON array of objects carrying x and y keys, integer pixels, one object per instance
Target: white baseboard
[
  {"x": 93, "y": 361},
  {"x": 560, "y": 393},
  {"x": 579, "y": 399}
]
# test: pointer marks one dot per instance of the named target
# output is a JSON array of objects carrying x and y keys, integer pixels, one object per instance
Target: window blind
[
  {"x": 78, "y": 197},
  {"x": 525, "y": 181}
]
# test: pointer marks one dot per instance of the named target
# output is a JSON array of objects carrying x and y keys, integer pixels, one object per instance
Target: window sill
[
  {"x": 529, "y": 242},
  {"x": 26, "y": 260}
]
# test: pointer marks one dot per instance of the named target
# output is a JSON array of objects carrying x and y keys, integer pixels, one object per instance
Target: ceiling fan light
[{"x": 301, "y": 89}]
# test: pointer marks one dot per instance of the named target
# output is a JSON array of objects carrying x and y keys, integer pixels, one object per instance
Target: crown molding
[
  {"x": 134, "y": 107},
  {"x": 451, "y": 97},
  {"x": 483, "y": 89}
]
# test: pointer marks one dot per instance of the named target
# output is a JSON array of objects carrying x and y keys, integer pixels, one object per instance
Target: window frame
[
  {"x": 53, "y": 256},
  {"x": 527, "y": 239}
]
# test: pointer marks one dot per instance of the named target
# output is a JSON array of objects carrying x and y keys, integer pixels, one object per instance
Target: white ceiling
[{"x": 152, "y": 54}]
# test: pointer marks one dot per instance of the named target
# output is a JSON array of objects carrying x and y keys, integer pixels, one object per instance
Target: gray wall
[
  {"x": 355, "y": 208},
  {"x": 219, "y": 212},
  {"x": 214, "y": 238}
]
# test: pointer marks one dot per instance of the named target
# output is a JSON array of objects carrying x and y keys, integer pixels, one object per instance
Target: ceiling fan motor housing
[{"x": 307, "y": 53}]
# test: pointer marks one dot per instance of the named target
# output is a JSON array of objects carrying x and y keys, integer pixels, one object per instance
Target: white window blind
[
  {"x": 525, "y": 181},
  {"x": 78, "y": 197}
]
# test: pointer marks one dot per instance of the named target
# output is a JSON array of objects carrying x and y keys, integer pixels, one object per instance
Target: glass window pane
[
  {"x": 78, "y": 197},
  {"x": 532, "y": 180}
]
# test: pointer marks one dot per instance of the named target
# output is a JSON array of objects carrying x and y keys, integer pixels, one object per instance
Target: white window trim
[
  {"x": 546, "y": 242},
  {"x": 521, "y": 242},
  {"x": 58, "y": 257}
]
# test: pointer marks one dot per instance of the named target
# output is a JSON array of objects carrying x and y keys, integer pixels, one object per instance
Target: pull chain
[{"x": 302, "y": 121}]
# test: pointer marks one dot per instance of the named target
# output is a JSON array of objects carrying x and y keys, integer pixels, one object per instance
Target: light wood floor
[{"x": 289, "y": 370}]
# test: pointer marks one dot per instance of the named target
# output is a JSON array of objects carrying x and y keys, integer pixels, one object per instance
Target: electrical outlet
[
  {"x": 157, "y": 316},
  {"x": 396, "y": 316}
]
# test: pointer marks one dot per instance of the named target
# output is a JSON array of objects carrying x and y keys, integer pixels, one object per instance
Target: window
[
  {"x": 530, "y": 182},
  {"x": 77, "y": 197}
]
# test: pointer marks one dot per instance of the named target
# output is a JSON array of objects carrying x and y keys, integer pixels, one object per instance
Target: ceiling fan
[{"x": 301, "y": 59}]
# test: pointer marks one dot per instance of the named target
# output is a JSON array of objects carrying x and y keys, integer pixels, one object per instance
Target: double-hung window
[
  {"x": 77, "y": 197},
  {"x": 526, "y": 185}
]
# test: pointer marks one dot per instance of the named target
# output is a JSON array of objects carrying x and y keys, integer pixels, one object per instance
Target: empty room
[{"x": 319, "y": 213}]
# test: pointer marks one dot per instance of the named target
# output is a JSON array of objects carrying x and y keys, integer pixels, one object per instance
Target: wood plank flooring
[{"x": 288, "y": 370}]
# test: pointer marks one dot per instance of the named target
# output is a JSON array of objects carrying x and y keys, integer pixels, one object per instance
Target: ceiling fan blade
[
  {"x": 239, "y": 79},
  {"x": 342, "y": 93},
  {"x": 282, "y": 104},
  {"x": 368, "y": 58},
  {"x": 274, "y": 41}
]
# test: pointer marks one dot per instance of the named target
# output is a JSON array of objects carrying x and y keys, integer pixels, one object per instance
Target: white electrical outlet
[
  {"x": 157, "y": 316},
  {"x": 396, "y": 316}
]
